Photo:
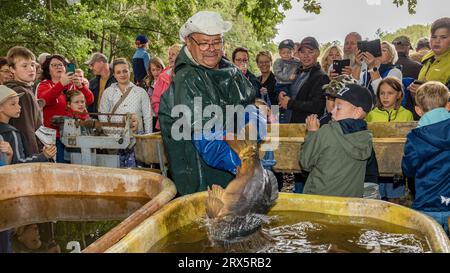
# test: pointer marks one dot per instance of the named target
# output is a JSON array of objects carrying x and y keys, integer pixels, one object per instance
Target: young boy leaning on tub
[{"x": 336, "y": 154}]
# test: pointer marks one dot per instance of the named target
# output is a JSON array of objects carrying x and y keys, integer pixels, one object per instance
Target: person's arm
[
  {"x": 146, "y": 59},
  {"x": 49, "y": 94},
  {"x": 317, "y": 103},
  {"x": 310, "y": 151},
  {"x": 160, "y": 87},
  {"x": 19, "y": 155},
  {"x": 411, "y": 160},
  {"x": 146, "y": 112},
  {"x": 88, "y": 95},
  {"x": 105, "y": 104},
  {"x": 356, "y": 74}
]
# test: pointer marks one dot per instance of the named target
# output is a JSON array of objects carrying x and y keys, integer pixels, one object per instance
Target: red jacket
[
  {"x": 76, "y": 115},
  {"x": 161, "y": 85},
  {"x": 55, "y": 99}
]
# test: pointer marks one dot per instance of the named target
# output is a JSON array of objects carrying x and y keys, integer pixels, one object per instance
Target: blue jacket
[
  {"x": 427, "y": 158},
  {"x": 141, "y": 60}
]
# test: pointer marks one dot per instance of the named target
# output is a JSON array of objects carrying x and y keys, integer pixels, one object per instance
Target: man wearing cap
[
  {"x": 410, "y": 68},
  {"x": 336, "y": 154},
  {"x": 104, "y": 77},
  {"x": 306, "y": 95},
  {"x": 422, "y": 49},
  {"x": 141, "y": 59},
  {"x": 201, "y": 73}
]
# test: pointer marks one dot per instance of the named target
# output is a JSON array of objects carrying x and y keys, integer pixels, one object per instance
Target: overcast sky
[{"x": 339, "y": 17}]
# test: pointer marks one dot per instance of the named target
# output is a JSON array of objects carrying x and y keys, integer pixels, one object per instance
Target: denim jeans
[{"x": 441, "y": 217}]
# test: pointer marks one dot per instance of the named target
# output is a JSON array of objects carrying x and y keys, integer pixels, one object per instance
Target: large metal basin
[
  {"x": 183, "y": 211},
  {"x": 74, "y": 180}
]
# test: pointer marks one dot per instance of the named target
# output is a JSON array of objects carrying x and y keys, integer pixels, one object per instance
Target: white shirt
[{"x": 136, "y": 102}]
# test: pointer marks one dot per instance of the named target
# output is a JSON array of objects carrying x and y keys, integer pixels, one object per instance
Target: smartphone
[
  {"x": 373, "y": 47},
  {"x": 70, "y": 68},
  {"x": 418, "y": 82},
  {"x": 338, "y": 65}
]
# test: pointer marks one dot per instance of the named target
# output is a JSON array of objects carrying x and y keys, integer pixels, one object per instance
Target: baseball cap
[
  {"x": 423, "y": 42},
  {"x": 141, "y": 39},
  {"x": 288, "y": 43},
  {"x": 205, "y": 22},
  {"x": 402, "y": 41},
  {"x": 97, "y": 56},
  {"x": 337, "y": 84},
  {"x": 357, "y": 95},
  {"x": 6, "y": 93},
  {"x": 309, "y": 42}
]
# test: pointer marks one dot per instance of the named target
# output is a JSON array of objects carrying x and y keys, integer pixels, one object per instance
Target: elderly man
[
  {"x": 103, "y": 78},
  {"x": 351, "y": 46},
  {"x": 203, "y": 75},
  {"x": 410, "y": 68}
]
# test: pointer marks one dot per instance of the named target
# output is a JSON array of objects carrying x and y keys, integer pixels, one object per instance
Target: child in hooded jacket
[
  {"x": 388, "y": 109},
  {"x": 427, "y": 153}
]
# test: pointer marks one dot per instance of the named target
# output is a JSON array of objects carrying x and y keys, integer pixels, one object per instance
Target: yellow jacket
[
  {"x": 437, "y": 70},
  {"x": 380, "y": 115}
]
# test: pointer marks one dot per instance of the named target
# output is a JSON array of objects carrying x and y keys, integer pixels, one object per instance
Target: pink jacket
[{"x": 161, "y": 85}]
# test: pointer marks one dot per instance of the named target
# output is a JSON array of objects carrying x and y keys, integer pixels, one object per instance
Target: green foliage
[
  {"x": 414, "y": 32},
  {"x": 110, "y": 26}
]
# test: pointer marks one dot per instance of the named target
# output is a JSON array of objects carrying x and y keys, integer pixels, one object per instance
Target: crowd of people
[{"x": 398, "y": 85}]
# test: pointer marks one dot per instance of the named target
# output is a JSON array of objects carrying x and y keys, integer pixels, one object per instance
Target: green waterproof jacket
[
  {"x": 336, "y": 161},
  {"x": 223, "y": 86}
]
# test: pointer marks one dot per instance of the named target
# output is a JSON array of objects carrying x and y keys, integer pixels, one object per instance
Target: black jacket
[
  {"x": 13, "y": 136},
  {"x": 94, "y": 85},
  {"x": 409, "y": 67},
  {"x": 270, "y": 85},
  {"x": 311, "y": 97}
]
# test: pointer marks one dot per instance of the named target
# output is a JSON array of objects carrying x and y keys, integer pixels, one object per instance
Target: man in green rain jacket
[{"x": 201, "y": 73}]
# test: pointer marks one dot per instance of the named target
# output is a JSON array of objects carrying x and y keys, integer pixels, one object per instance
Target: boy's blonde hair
[
  {"x": 432, "y": 95},
  {"x": 19, "y": 52}
]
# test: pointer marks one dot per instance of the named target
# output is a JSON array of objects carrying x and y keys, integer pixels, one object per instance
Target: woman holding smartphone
[{"x": 55, "y": 82}]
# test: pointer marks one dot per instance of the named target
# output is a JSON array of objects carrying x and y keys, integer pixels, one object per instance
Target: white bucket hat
[
  {"x": 7, "y": 93},
  {"x": 206, "y": 22}
]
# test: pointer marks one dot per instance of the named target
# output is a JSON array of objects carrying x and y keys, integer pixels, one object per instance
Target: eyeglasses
[
  {"x": 268, "y": 62},
  {"x": 241, "y": 60},
  {"x": 205, "y": 46},
  {"x": 56, "y": 65},
  {"x": 5, "y": 71}
]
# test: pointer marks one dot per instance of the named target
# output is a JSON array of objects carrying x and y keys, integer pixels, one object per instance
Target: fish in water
[{"x": 240, "y": 209}]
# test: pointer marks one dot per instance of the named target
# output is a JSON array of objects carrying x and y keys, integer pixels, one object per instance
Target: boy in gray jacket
[{"x": 336, "y": 154}]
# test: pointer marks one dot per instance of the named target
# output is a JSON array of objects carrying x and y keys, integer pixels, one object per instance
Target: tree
[
  {"x": 110, "y": 26},
  {"x": 414, "y": 32}
]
